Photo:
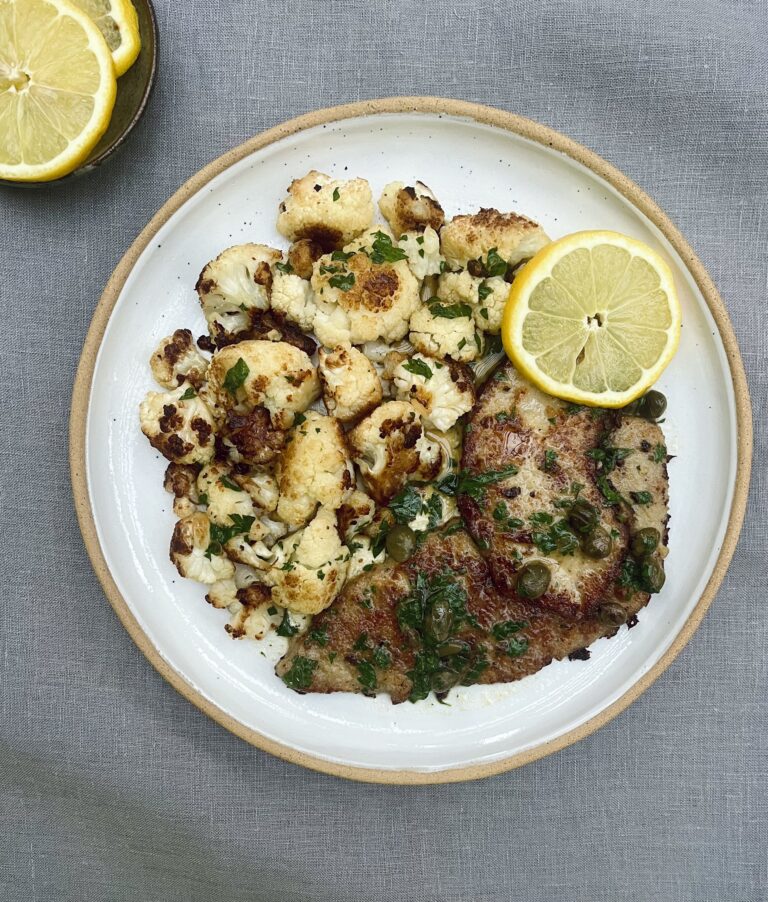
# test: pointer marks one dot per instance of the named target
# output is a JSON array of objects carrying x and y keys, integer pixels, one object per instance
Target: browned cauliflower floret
[
  {"x": 301, "y": 257},
  {"x": 486, "y": 297},
  {"x": 293, "y": 297},
  {"x": 225, "y": 500},
  {"x": 195, "y": 552},
  {"x": 329, "y": 212},
  {"x": 250, "y": 611},
  {"x": 251, "y": 437},
  {"x": 389, "y": 446},
  {"x": 489, "y": 243},
  {"x": 271, "y": 374},
  {"x": 445, "y": 330},
  {"x": 312, "y": 566},
  {"x": 355, "y": 514},
  {"x": 314, "y": 470},
  {"x": 234, "y": 285},
  {"x": 179, "y": 424},
  {"x": 410, "y": 208},
  {"x": 181, "y": 481},
  {"x": 177, "y": 360},
  {"x": 263, "y": 489},
  {"x": 351, "y": 386},
  {"x": 441, "y": 391},
  {"x": 364, "y": 295}
]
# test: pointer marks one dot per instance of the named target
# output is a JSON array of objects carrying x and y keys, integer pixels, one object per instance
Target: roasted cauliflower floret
[
  {"x": 440, "y": 391},
  {"x": 225, "y": 500},
  {"x": 445, "y": 330},
  {"x": 361, "y": 556},
  {"x": 486, "y": 297},
  {"x": 351, "y": 386},
  {"x": 313, "y": 568},
  {"x": 271, "y": 374},
  {"x": 181, "y": 481},
  {"x": 263, "y": 489},
  {"x": 179, "y": 424},
  {"x": 195, "y": 553},
  {"x": 301, "y": 257},
  {"x": 237, "y": 282},
  {"x": 410, "y": 208},
  {"x": 251, "y": 437},
  {"x": 177, "y": 360},
  {"x": 330, "y": 212},
  {"x": 250, "y": 613},
  {"x": 389, "y": 446},
  {"x": 314, "y": 470},
  {"x": 422, "y": 250},
  {"x": 489, "y": 242},
  {"x": 355, "y": 514},
  {"x": 292, "y": 296},
  {"x": 359, "y": 299}
]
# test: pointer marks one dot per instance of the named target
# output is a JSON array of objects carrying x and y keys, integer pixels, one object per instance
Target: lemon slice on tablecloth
[
  {"x": 118, "y": 22},
  {"x": 57, "y": 88},
  {"x": 593, "y": 318}
]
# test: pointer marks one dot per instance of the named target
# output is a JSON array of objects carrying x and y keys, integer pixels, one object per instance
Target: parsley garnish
[
  {"x": 516, "y": 646},
  {"x": 433, "y": 508},
  {"x": 220, "y": 535},
  {"x": 418, "y": 368},
  {"x": 228, "y": 484},
  {"x": 641, "y": 497},
  {"x": 473, "y": 484},
  {"x": 366, "y": 676},
  {"x": 299, "y": 677},
  {"x": 361, "y": 643},
  {"x": 506, "y": 628},
  {"x": 381, "y": 657},
  {"x": 342, "y": 282},
  {"x": 494, "y": 264},
  {"x": 449, "y": 311},
  {"x": 550, "y": 460},
  {"x": 236, "y": 376},
  {"x": 336, "y": 194},
  {"x": 284, "y": 267},
  {"x": 342, "y": 255},
  {"x": 383, "y": 251},
  {"x": 188, "y": 394},
  {"x": 298, "y": 419},
  {"x": 287, "y": 627},
  {"x": 559, "y": 537},
  {"x": 483, "y": 290},
  {"x": 406, "y": 505},
  {"x": 659, "y": 453}
]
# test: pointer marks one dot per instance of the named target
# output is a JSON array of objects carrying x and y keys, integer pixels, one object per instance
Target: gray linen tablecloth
[{"x": 115, "y": 788}]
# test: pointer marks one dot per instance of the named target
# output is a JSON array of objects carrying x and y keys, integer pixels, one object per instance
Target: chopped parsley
[
  {"x": 336, "y": 194},
  {"x": 494, "y": 264},
  {"x": 449, "y": 311},
  {"x": 342, "y": 282},
  {"x": 473, "y": 484},
  {"x": 659, "y": 453},
  {"x": 483, "y": 290},
  {"x": 516, "y": 646},
  {"x": 299, "y": 677},
  {"x": 342, "y": 255},
  {"x": 361, "y": 643},
  {"x": 298, "y": 419},
  {"x": 550, "y": 460},
  {"x": 406, "y": 505},
  {"x": 433, "y": 508},
  {"x": 507, "y": 628},
  {"x": 284, "y": 267},
  {"x": 382, "y": 657},
  {"x": 236, "y": 376},
  {"x": 188, "y": 394},
  {"x": 287, "y": 627},
  {"x": 558, "y": 537},
  {"x": 380, "y": 539},
  {"x": 418, "y": 368},
  {"x": 220, "y": 535},
  {"x": 383, "y": 251},
  {"x": 366, "y": 676},
  {"x": 641, "y": 497},
  {"x": 228, "y": 484}
]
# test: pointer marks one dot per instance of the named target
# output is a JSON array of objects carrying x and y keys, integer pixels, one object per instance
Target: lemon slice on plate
[
  {"x": 593, "y": 318},
  {"x": 57, "y": 88},
  {"x": 118, "y": 22}
]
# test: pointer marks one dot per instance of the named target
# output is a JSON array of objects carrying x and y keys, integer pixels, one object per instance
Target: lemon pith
[
  {"x": 57, "y": 88},
  {"x": 119, "y": 24},
  {"x": 593, "y": 318}
]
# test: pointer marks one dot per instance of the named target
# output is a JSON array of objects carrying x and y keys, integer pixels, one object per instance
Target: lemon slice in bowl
[
  {"x": 57, "y": 88},
  {"x": 118, "y": 22},
  {"x": 593, "y": 318}
]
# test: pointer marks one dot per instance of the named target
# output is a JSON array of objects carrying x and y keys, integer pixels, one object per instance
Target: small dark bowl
[{"x": 133, "y": 92}]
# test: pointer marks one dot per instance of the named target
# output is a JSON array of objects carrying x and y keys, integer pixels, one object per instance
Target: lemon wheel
[
  {"x": 119, "y": 24},
  {"x": 593, "y": 318},
  {"x": 57, "y": 88}
]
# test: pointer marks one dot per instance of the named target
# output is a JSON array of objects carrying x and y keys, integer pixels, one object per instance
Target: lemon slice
[
  {"x": 593, "y": 318},
  {"x": 118, "y": 22},
  {"x": 57, "y": 88}
]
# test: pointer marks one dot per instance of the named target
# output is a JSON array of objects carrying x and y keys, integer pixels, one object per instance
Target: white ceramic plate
[{"x": 470, "y": 157}]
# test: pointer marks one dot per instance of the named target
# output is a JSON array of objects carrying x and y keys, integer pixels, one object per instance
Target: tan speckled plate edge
[{"x": 527, "y": 129}]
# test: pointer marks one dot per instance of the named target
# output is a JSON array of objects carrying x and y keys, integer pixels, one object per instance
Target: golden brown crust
[{"x": 302, "y": 255}]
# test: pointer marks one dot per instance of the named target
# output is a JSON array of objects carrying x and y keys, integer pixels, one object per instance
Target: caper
[
  {"x": 401, "y": 542},
  {"x": 632, "y": 409},
  {"x": 652, "y": 576},
  {"x": 452, "y": 647},
  {"x": 444, "y": 679},
  {"x": 652, "y": 405},
  {"x": 583, "y": 517},
  {"x": 533, "y": 580},
  {"x": 612, "y": 613},
  {"x": 439, "y": 620},
  {"x": 645, "y": 542},
  {"x": 477, "y": 269},
  {"x": 598, "y": 544}
]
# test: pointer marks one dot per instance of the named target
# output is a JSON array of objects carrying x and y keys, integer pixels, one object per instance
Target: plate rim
[{"x": 525, "y": 128}]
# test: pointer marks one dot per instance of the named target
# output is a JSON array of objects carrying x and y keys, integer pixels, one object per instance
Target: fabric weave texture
[{"x": 112, "y": 786}]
